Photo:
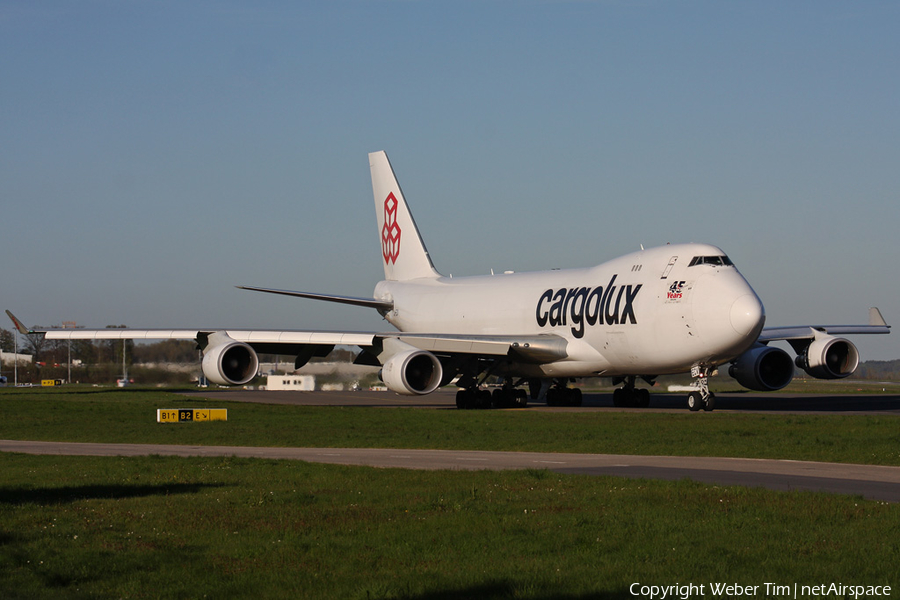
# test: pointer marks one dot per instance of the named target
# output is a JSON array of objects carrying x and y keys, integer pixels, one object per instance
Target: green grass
[
  {"x": 164, "y": 527},
  {"x": 75, "y": 527},
  {"x": 129, "y": 416},
  {"x": 799, "y": 385}
]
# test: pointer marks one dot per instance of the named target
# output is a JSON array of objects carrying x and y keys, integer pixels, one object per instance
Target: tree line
[
  {"x": 99, "y": 351},
  {"x": 101, "y": 361},
  {"x": 879, "y": 370}
]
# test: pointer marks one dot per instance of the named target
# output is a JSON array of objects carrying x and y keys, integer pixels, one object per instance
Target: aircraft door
[{"x": 668, "y": 268}]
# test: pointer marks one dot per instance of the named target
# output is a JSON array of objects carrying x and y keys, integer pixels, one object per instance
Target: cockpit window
[{"x": 717, "y": 261}]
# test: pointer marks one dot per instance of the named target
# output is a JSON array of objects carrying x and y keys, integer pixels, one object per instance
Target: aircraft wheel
[
  {"x": 695, "y": 401},
  {"x": 579, "y": 398},
  {"x": 575, "y": 397},
  {"x": 710, "y": 403},
  {"x": 483, "y": 399},
  {"x": 463, "y": 399},
  {"x": 618, "y": 397},
  {"x": 506, "y": 398},
  {"x": 521, "y": 398},
  {"x": 553, "y": 397},
  {"x": 642, "y": 398}
]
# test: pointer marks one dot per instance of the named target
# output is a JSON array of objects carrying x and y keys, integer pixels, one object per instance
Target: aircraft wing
[
  {"x": 248, "y": 336},
  {"x": 529, "y": 348},
  {"x": 536, "y": 349},
  {"x": 877, "y": 325}
]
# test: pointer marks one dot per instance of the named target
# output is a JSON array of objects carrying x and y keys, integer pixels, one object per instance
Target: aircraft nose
[
  {"x": 747, "y": 315},
  {"x": 728, "y": 315}
]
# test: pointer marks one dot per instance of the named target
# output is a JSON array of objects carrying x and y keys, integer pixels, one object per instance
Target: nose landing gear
[{"x": 702, "y": 398}]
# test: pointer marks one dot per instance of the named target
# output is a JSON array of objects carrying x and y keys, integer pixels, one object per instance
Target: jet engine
[
  {"x": 229, "y": 362},
  {"x": 763, "y": 369},
  {"x": 829, "y": 358},
  {"x": 412, "y": 372}
]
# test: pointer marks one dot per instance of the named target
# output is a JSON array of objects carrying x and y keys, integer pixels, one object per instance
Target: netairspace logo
[{"x": 766, "y": 590}]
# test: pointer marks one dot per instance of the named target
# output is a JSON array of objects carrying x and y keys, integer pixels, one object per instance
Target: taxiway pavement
[
  {"x": 847, "y": 403},
  {"x": 869, "y": 481}
]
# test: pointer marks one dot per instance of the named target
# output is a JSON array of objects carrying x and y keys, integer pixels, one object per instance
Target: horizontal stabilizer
[{"x": 369, "y": 302}]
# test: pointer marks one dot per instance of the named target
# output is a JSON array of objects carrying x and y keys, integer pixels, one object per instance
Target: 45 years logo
[{"x": 676, "y": 290}]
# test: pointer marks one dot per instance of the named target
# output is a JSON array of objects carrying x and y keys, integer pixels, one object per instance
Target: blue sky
[{"x": 155, "y": 154}]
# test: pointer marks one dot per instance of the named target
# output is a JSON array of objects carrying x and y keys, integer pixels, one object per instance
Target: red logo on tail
[{"x": 390, "y": 232}]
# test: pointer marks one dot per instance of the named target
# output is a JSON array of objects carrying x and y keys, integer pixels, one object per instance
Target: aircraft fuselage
[{"x": 651, "y": 312}]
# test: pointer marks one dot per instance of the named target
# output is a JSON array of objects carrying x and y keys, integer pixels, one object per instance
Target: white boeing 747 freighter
[{"x": 673, "y": 309}]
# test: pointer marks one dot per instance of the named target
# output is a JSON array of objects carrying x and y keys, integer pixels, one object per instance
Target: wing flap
[
  {"x": 118, "y": 334},
  {"x": 346, "y": 338},
  {"x": 333, "y": 338},
  {"x": 534, "y": 348},
  {"x": 457, "y": 346}
]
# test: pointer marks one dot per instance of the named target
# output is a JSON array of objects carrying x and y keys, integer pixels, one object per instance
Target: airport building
[
  {"x": 297, "y": 383},
  {"x": 10, "y": 358}
]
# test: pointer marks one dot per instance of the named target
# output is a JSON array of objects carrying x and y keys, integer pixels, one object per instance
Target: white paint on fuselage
[{"x": 702, "y": 314}]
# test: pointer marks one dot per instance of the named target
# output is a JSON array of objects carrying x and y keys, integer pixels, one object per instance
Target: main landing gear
[
  {"x": 702, "y": 398},
  {"x": 505, "y": 397},
  {"x": 628, "y": 395},
  {"x": 560, "y": 395}
]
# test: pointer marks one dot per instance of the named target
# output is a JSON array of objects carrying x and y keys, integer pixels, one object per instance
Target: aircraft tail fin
[{"x": 403, "y": 252}]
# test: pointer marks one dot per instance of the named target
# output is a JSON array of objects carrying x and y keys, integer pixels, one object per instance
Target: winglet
[
  {"x": 18, "y": 324},
  {"x": 875, "y": 318}
]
